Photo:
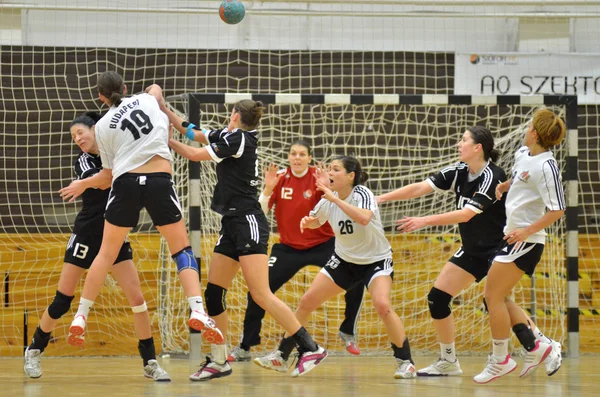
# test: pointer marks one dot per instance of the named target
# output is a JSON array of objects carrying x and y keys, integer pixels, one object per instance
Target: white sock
[
  {"x": 84, "y": 308},
  {"x": 196, "y": 303},
  {"x": 500, "y": 349},
  {"x": 540, "y": 336},
  {"x": 448, "y": 352},
  {"x": 219, "y": 353}
]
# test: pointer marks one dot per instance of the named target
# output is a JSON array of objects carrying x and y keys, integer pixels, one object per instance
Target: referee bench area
[{"x": 30, "y": 268}]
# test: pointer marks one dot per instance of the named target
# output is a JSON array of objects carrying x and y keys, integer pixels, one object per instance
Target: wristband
[{"x": 190, "y": 131}]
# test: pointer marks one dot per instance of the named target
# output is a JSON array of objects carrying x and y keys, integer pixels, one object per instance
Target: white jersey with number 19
[{"x": 131, "y": 133}]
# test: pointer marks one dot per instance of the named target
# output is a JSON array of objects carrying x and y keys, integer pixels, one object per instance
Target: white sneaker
[
  {"x": 495, "y": 369},
  {"x": 32, "y": 366},
  {"x": 273, "y": 361},
  {"x": 211, "y": 370},
  {"x": 406, "y": 370},
  {"x": 441, "y": 367},
  {"x": 238, "y": 355},
  {"x": 154, "y": 371},
  {"x": 76, "y": 331},
  {"x": 535, "y": 357},
  {"x": 554, "y": 359},
  {"x": 307, "y": 361},
  {"x": 201, "y": 322}
]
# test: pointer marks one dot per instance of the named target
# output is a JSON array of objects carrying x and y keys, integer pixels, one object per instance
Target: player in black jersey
[
  {"x": 481, "y": 218},
  {"x": 244, "y": 231},
  {"x": 82, "y": 247}
]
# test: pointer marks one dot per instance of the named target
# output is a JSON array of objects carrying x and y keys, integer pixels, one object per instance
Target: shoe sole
[
  {"x": 295, "y": 375},
  {"x": 453, "y": 373},
  {"x": 157, "y": 380},
  {"x": 532, "y": 369},
  {"x": 352, "y": 351},
  {"x": 214, "y": 376},
  {"x": 208, "y": 334},
  {"x": 76, "y": 337},
  {"x": 232, "y": 359},
  {"x": 495, "y": 377},
  {"x": 284, "y": 369},
  {"x": 404, "y": 377}
]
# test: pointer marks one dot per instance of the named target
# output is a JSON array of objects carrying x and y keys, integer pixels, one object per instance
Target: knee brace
[
  {"x": 185, "y": 260},
  {"x": 214, "y": 296},
  {"x": 439, "y": 303},
  {"x": 139, "y": 309},
  {"x": 60, "y": 305}
]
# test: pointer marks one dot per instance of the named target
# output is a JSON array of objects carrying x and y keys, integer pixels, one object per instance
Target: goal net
[{"x": 397, "y": 145}]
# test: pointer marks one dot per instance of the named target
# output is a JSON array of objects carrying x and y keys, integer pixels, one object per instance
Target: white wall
[{"x": 305, "y": 25}]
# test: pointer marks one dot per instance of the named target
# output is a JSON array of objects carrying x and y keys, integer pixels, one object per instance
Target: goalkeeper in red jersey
[{"x": 294, "y": 194}]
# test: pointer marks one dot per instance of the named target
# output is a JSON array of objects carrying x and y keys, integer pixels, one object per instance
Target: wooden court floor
[{"x": 337, "y": 376}]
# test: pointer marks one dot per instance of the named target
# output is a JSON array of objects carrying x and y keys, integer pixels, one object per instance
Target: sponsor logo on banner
[{"x": 528, "y": 74}]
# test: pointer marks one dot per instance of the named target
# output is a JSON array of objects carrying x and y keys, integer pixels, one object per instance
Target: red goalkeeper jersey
[{"x": 294, "y": 198}]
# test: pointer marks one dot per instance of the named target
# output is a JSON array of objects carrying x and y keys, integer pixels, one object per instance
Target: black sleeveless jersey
[
  {"x": 484, "y": 232},
  {"x": 236, "y": 154},
  {"x": 90, "y": 220}
]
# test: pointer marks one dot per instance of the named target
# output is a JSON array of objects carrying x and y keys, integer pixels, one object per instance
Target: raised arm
[
  {"x": 413, "y": 190},
  {"x": 189, "y": 152},
  {"x": 180, "y": 125}
]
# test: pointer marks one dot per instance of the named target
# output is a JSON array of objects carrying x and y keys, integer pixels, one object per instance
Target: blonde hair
[{"x": 549, "y": 127}]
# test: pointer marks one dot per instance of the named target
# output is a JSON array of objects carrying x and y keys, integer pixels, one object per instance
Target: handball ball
[{"x": 232, "y": 11}]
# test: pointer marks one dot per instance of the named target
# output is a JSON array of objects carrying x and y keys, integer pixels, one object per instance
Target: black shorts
[
  {"x": 346, "y": 275},
  {"x": 242, "y": 235},
  {"x": 132, "y": 192},
  {"x": 525, "y": 255},
  {"x": 81, "y": 251},
  {"x": 476, "y": 265},
  {"x": 292, "y": 257}
]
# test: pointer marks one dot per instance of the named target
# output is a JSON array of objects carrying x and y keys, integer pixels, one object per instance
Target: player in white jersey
[
  {"x": 535, "y": 201},
  {"x": 362, "y": 256},
  {"x": 133, "y": 143},
  {"x": 481, "y": 218}
]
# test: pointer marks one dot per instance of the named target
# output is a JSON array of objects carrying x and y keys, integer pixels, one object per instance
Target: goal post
[{"x": 338, "y": 124}]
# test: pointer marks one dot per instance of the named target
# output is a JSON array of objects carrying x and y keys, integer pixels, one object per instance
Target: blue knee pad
[{"x": 185, "y": 260}]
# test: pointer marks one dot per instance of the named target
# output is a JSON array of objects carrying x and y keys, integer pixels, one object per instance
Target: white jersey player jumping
[
  {"x": 362, "y": 256},
  {"x": 133, "y": 139}
]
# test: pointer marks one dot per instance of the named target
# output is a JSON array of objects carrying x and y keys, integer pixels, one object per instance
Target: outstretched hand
[
  {"x": 410, "y": 224},
  {"x": 305, "y": 222},
  {"x": 272, "y": 176},
  {"x": 71, "y": 192},
  {"x": 322, "y": 174},
  {"x": 327, "y": 192}
]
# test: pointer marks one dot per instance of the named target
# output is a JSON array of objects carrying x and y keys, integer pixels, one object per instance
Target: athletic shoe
[
  {"x": 273, "y": 361},
  {"x": 211, "y": 370},
  {"x": 76, "y": 331},
  {"x": 441, "y": 367},
  {"x": 406, "y": 370},
  {"x": 495, "y": 369},
  {"x": 32, "y": 366},
  {"x": 307, "y": 361},
  {"x": 154, "y": 371},
  {"x": 535, "y": 357},
  {"x": 554, "y": 359},
  {"x": 201, "y": 322},
  {"x": 351, "y": 345},
  {"x": 238, "y": 355}
]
